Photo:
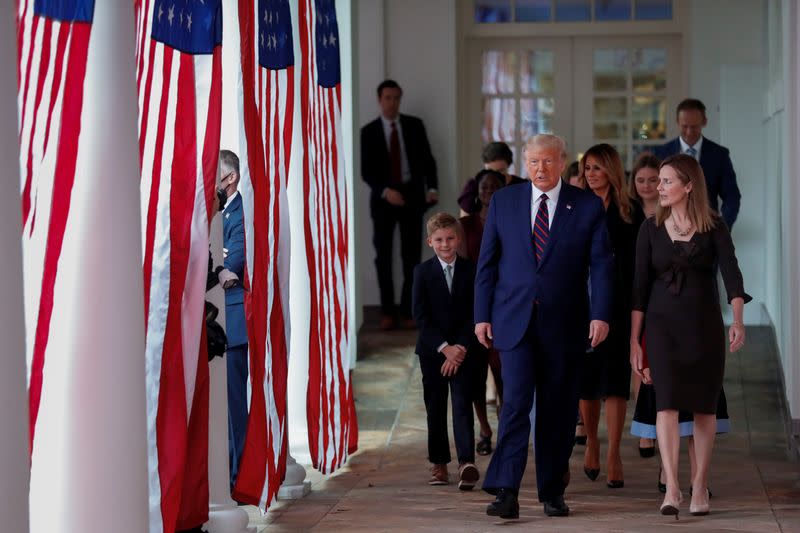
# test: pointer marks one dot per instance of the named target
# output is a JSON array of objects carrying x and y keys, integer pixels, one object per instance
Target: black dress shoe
[
  {"x": 615, "y": 483},
  {"x": 647, "y": 452},
  {"x": 591, "y": 473},
  {"x": 505, "y": 505},
  {"x": 556, "y": 507}
]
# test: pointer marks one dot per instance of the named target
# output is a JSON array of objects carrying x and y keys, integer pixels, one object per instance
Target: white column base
[
  {"x": 228, "y": 519},
  {"x": 295, "y": 485}
]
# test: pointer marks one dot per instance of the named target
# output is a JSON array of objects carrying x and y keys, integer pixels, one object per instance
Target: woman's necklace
[{"x": 680, "y": 232}]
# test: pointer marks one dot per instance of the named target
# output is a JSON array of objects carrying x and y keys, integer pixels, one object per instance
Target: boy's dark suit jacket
[{"x": 440, "y": 315}]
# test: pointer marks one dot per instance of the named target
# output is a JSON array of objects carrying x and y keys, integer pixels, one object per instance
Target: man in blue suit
[
  {"x": 541, "y": 242},
  {"x": 235, "y": 325},
  {"x": 714, "y": 159}
]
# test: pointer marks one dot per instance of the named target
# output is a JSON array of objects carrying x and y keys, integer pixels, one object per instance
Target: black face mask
[{"x": 222, "y": 197}]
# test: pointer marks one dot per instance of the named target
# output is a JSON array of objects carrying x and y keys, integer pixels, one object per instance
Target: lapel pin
[{"x": 569, "y": 206}]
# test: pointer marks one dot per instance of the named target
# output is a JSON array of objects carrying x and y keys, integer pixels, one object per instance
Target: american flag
[
  {"x": 84, "y": 308},
  {"x": 266, "y": 114},
  {"x": 180, "y": 106},
  {"x": 53, "y": 43},
  {"x": 330, "y": 407}
]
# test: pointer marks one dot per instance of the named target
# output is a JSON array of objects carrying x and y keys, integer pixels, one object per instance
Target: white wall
[
  {"x": 414, "y": 43},
  {"x": 726, "y": 65}
]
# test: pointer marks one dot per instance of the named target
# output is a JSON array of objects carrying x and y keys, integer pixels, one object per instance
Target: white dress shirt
[
  {"x": 697, "y": 146},
  {"x": 552, "y": 202}
]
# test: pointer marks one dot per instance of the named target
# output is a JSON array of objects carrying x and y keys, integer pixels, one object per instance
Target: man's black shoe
[
  {"x": 556, "y": 507},
  {"x": 505, "y": 505}
]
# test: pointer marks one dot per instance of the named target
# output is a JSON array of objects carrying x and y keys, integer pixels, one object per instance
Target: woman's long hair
[
  {"x": 689, "y": 171},
  {"x": 645, "y": 160},
  {"x": 612, "y": 165}
]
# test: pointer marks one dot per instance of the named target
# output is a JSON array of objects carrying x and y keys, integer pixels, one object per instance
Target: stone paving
[{"x": 755, "y": 481}]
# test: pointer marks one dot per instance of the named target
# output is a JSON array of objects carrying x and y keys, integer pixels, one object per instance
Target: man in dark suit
[
  {"x": 541, "y": 242},
  {"x": 235, "y": 326},
  {"x": 715, "y": 159},
  {"x": 397, "y": 164}
]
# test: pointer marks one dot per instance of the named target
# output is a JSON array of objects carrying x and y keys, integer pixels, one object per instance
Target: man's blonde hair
[{"x": 547, "y": 140}]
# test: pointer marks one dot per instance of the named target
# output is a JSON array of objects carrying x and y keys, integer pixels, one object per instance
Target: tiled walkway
[{"x": 755, "y": 483}]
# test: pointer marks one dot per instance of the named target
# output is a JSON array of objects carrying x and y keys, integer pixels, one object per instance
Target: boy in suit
[{"x": 442, "y": 303}]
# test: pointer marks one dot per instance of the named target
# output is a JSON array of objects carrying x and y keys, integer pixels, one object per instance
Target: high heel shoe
[
  {"x": 710, "y": 494},
  {"x": 615, "y": 483},
  {"x": 591, "y": 473},
  {"x": 662, "y": 487},
  {"x": 580, "y": 439},
  {"x": 646, "y": 451},
  {"x": 700, "y": 510},
  {"x": 671, "y": 508}
]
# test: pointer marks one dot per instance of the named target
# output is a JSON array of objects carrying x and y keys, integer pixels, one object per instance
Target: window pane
[
  {"x": 532, "y": 11},
  {"x": 536, "y": 116},
  {"x": 610, "y": 117},
  {"x": 573, "y": 11},
  {"x": 653, "y": 9},
  {"x": 648, "y": 115},
  {"x": 612, "y": 10},
  {"x": 649, "y": 66},
  {"x": 536, "y": 72},
  {"x": 499, "y": 119},
  {"x": 610, "y": 70},
  {"x": 492, "y": 11},
  {"x": 498, "y": 72}
]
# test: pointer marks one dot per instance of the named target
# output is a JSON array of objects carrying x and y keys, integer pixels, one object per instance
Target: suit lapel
[
  {"x": 564, "y": 210},
  {"x": 525, "y": 218},
  {"x": 438, "y": 274}
]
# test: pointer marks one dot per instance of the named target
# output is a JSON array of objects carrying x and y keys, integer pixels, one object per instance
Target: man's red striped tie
[{"x": 541, "y": 228}]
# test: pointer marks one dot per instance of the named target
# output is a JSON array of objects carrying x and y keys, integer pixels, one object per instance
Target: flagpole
[{"x": 15, "y": 480}]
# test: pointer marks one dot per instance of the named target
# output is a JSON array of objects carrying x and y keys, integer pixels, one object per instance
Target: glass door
[
  {"x": 626, "y": 90},
  {"x": 518, "y": 88}
]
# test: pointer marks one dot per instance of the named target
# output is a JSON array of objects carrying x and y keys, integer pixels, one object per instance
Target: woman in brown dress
[{"x": 677, "y": 253}]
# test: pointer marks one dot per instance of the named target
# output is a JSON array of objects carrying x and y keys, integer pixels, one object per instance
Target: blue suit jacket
[
  {"x": 508, "y": 280},
  {"x": 719, "y": 173},
  {"x": 233, "y": 242}
]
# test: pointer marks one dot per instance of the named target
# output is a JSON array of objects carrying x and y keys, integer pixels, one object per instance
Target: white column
[
  {"x": 14, "y": 481},
  {"x": 224, "y": 516},
  {"x": 89, "y": 458}
]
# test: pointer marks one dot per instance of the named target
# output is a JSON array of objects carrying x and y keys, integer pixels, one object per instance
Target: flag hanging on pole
[
  {"x": 81, "y": 249},
  {"x": 180, "y": 84},
  {"x": 266, "y": 115},
  {"x": 330, "y": 408}
]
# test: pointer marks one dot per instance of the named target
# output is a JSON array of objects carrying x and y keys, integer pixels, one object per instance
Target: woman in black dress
[
  {"x": 675, "y": 286},
  {"x": 606, "y": 371}
]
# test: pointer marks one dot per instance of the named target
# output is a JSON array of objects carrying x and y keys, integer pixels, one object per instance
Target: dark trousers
[
  {"x": 384, "y": 218},
  {"x": 435, "y": 389},
  {"x": 553, "y": 376},
  {"x": 236, "y": 359}
]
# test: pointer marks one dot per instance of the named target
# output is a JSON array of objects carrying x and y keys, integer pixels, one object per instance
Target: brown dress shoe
[
  {"x": 387, "y": 323},
  {"x": 468, "y": 475},
  {"x": 439, "y": 475}
]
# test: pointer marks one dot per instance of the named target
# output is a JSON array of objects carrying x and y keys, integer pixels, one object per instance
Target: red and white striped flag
[
  {"x": 81, "y": 245},
  {"x": 266, "y": 115},
  {"x": 330, "y": 408},
  {"x": 180, "y": 106}
]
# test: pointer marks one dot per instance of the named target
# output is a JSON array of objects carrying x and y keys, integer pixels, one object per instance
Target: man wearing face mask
[{"x": 235, "y": 327}]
